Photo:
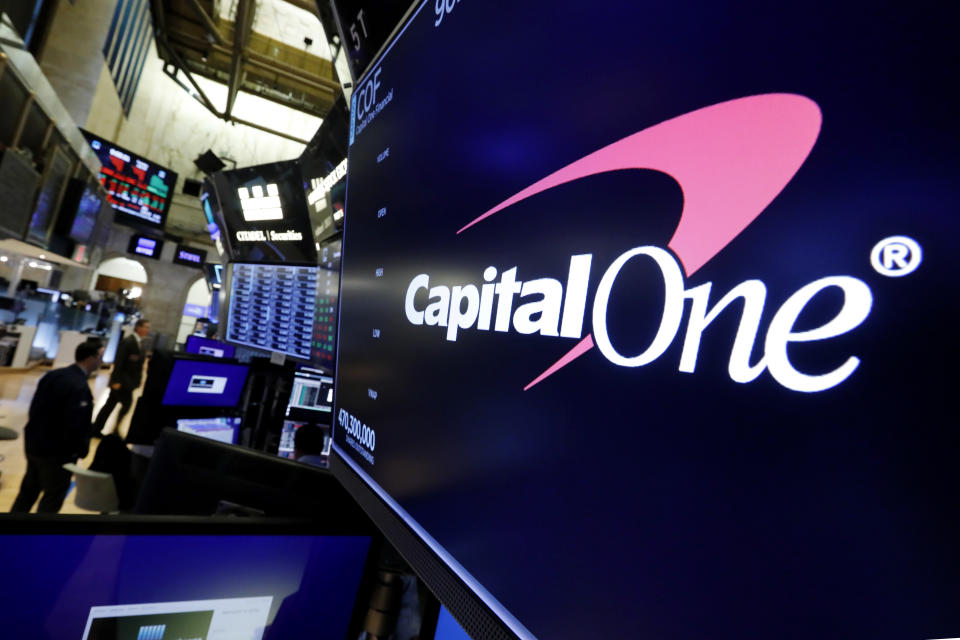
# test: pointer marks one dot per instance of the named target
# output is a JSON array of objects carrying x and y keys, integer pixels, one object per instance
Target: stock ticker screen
[
  {"x": 140, "y": 191},
  {"x": 272, "y": 307},
  {"x": 688, "y": 330},
  {"x": 328, "y": 291}
]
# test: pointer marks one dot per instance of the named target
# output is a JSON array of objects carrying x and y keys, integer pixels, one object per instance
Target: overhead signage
[
  {"x": 139, "y": 190},
  {"x": 265, "y": 214},
  {"x": 190, "y": 257},
  {"x": 145, "y": 246}
]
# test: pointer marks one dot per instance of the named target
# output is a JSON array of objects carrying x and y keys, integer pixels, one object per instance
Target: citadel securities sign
[{"x": 731, "y": 160}]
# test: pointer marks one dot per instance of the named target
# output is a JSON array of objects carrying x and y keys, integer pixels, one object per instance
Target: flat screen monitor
[
  {"x": 209, "y": 347},
  {"x": 189, "y": 257},
  {"x": 221, "y": 428},
  {"x": 201, "y": 383},
  {"x": 668, "y": 354},
  {"x": 311, "y": 399},
  {"x": 264, "y": 210},
  {"x": 139, "y": 189},
  {"x": 272, "y": 307},
  {"x": 152, "y": 578},
  {"x": 145, "y": 246}
]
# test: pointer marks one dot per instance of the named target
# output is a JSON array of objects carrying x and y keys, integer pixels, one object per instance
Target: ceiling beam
[
  {"x": 244, "y": 26},
  {"x": 266, "y": 63},
  {"x": 211, "y": 27}
]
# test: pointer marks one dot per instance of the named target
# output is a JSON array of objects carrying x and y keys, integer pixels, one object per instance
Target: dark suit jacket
[
  {"x": 128, "y": 364},
  {"x": 60, "y": 412}
]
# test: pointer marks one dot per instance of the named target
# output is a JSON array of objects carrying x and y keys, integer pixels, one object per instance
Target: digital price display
[
  {"x": 669, "y": 357},
  {"x": 328, "y": 293},
  {"x": 272, "y": 307},
  {"x": 145, "y": 246},
  {"x": 190, "y": 257},
  {"x": 138, "y": 189}
]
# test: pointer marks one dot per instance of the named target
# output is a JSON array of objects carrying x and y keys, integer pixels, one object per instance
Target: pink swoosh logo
[{"x": 730, "y": 159}]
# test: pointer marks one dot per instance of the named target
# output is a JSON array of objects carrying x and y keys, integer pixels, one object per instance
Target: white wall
[{"x": 124, "y": 268}]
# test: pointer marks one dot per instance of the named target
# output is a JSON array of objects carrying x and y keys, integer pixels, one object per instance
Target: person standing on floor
[
  {"x": 58, "y": 430},
  {"x": 125, "y": 377}
]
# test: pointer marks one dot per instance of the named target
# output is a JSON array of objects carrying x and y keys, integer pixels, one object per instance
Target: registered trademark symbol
[{"x": 896, "y": 256}]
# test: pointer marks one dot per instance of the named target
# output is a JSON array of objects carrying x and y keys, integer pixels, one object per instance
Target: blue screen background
[
  {"x": 177, "y": 393},
  {"x": 645, "y": 502},
  {"x": 56, "y": 579},
  {"x": 195, "y": 342}
]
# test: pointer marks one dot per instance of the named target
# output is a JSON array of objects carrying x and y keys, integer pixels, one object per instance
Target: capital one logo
[{"x": 731, "y": 160}]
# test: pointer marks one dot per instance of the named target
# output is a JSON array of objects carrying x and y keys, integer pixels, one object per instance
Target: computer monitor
[
  {"x": 272, "y": 307},
  {"x": 669, "y": 354},
  {"x": 221, "y": 428},
  {"x": 148, "y": 578},
  {"x": 209, "y": 347},
  {"x": 204, "y": 383},
  {"x": 311, "y": 399}
]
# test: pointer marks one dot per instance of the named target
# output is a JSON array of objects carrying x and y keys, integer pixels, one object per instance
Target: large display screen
[
  {"x": 199, "y": 383},
  {"x": 265, "y": 215},
  {"x": 139, "y": 190},
  {"x": 104, "y": 587},
  {"x": 271, "y": 307},
  {"x": 646, "y": 321}
]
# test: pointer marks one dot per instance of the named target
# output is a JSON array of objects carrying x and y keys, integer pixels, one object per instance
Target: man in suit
[
  {"x": 58, "y": 430},
  {"x": 126, "y": 375}
]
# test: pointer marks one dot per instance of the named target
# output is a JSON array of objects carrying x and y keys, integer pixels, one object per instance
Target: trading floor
[{"x": 16, "y": 391}]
